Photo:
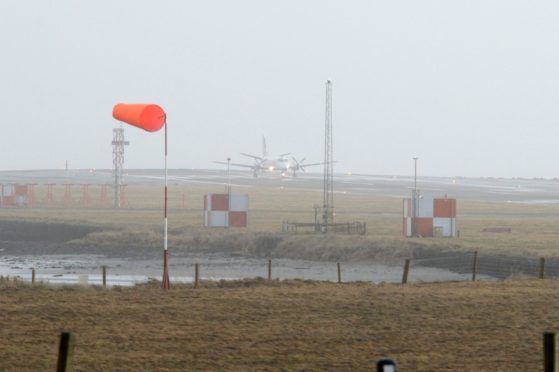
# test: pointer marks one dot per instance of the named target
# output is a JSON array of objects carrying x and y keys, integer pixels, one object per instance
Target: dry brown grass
[{"x": 250, "y": 325}]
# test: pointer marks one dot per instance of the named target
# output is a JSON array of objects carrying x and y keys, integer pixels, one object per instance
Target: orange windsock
[{"x": 148, "y": 117}]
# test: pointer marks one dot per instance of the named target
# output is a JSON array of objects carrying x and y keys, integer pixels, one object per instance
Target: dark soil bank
[
  {"x": 41, "y": 238},
  {"x": 42, "y": 232},
  {"x": 23, "y": 237}
]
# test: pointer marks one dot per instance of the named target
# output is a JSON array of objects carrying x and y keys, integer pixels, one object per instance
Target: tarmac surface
[{"x": 517, "y": 190}]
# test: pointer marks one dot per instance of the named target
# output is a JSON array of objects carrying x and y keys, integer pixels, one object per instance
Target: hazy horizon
[
  {"x": 277, "y": 175},
  {"x": 470, "y": 87}
]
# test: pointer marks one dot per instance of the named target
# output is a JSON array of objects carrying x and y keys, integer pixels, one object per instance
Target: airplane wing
[
  {"x": 251, "y": 156},
  {"x": 310, "y": 164},
  {"x": 301, "y": 166},
  {"x": 235, "y": 164}
]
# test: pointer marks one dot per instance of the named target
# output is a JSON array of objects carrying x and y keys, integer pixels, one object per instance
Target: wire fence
[
  {"x": 445, "y": 267},
  {"x": 493, "y": 266}
]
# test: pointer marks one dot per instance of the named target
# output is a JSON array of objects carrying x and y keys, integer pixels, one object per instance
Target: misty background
[{"x": 470, "y": 87}]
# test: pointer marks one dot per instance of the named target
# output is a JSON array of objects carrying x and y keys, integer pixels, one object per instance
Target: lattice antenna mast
[
  {"x": 118, "y": 163},
  {"x": 328, "y": 202}
]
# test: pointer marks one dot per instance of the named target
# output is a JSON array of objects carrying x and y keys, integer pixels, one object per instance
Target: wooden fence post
[
  {"x": 104, "y": 276},
  {"x": 406, "y": 270},
  {"x": 339, "y": 273},
  {"x": 549, "y": 352},
  {"x": 196, "y": 275},
  {"x": 474, "y": 269},
  {"x": 542, "y": 267},
  {"x": 65, "y": 352},
  {"x": 33, "y": 276},
  {"x": 269, "y": 269}
]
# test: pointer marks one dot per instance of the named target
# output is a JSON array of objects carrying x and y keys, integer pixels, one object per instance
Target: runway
[{"x": 529, "y": 191}]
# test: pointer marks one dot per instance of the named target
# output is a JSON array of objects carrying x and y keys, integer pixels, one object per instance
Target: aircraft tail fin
[{"x": 264, "y": 150}]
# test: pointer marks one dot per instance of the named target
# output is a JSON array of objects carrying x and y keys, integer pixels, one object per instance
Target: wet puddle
[{"x": 87, "y": 269}]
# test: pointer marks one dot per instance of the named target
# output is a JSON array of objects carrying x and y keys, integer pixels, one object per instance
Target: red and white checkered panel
[
  {"x": 435, "y": 217},
  {"x": 444, "y": 208},
  {"x": 225, "y": 210}
]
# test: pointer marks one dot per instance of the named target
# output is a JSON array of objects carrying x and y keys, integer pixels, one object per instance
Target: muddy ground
[
  {"x": 28, "y": 238},
  {"x": 42, "y": 238}
]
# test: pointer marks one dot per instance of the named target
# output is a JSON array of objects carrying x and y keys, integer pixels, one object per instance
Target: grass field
[
  {"x": 256, "y": 325},
  {"x": 534, "y": 227}
]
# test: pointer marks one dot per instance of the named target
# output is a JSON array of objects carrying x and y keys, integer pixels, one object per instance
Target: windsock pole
[
  {"x": 151, "y": 118},
  {"x": 165, "y": 283}
]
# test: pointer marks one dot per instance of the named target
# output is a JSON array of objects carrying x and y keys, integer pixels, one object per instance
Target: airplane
[{"x": 268, "y": 163}]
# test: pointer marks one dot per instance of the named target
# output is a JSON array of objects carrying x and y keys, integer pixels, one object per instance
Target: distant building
[{"x": 14, "y": 195}]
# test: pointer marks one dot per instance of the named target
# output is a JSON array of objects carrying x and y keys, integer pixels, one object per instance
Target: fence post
[
  {"x": 339, "y": 273},
  {"x": 549, "y": 352},
  {"x": 65, "y": 352},
  {"x": 33, "y": 276},
  {"x": 104, "y": 276},
  {"x": 406, "y": 270},
  {"x": 269, "y": 269},
  {"x": 542, "y": 267},
  {"x": 474, "y": 269},
  {"x": 196, "y": 275}
]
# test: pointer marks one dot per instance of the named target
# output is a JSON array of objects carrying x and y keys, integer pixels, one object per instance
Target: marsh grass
[
  {"x": 140, "y": 223},
  {"x": 281, "y": 325},
  {"x": 258, "y": 324}
]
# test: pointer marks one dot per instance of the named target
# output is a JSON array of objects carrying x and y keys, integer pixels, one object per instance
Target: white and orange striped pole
[
  {"x": 149, "y": 117},
  {"x": 165, "y": 282}
]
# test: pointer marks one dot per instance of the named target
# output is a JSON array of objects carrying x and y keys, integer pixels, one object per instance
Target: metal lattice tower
[
  {"x": 118, "y": 162},
  {"x": 328, "y": 202}
]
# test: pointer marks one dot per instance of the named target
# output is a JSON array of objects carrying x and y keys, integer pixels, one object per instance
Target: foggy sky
[{"x": 470, "y": 87}]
